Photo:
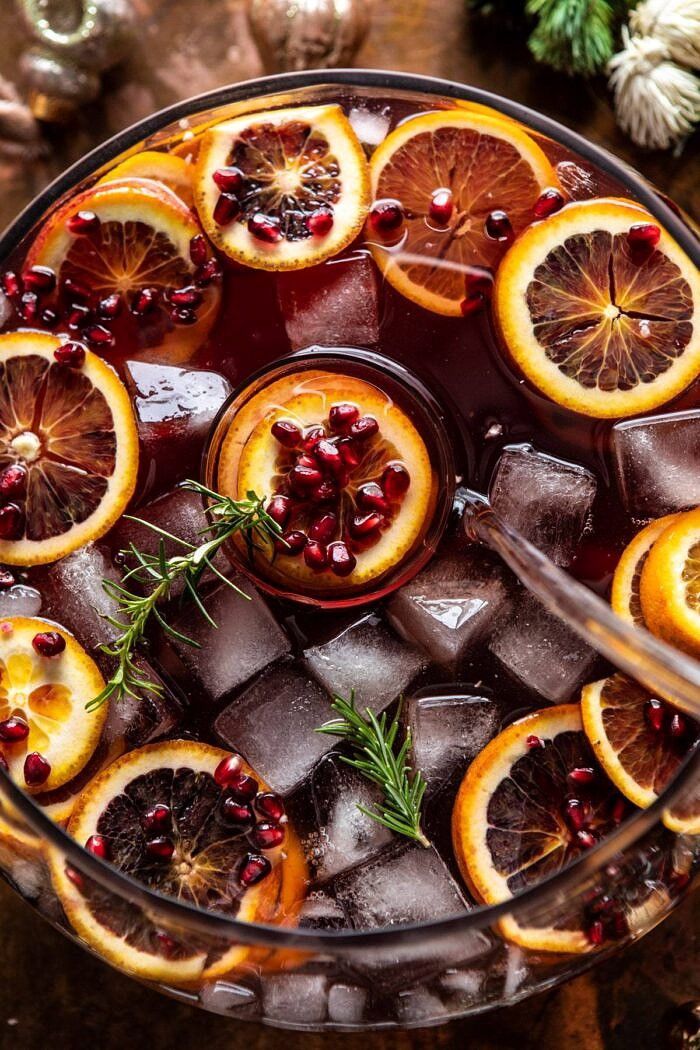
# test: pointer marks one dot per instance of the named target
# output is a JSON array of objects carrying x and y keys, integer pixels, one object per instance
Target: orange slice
[
  {"x": 639, "y": 741},
  {"x": 198, "y": 859},
  {"x": 294, "y": 166},
  {"x": 141, "y": 243},
  {"x": 624, "y": 597},
  {"x": 510, "y": 827},
  {"x": 252, "y": 459},
  {"x": 598, "y": 326},
  {"x": 670, "y": 584},
  {"x": 173, "y": 172},
  {"x": 488, "y": 163},
  {"x": 70, "y": 437},
  {"x": 46, "y": 695}
]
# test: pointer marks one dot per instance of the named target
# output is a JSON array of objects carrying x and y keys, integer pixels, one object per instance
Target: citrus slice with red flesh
[
  {"x": 68, "y": 449},
  {"x": 166, "y": 815},
  {"x": 350, "y": 478},
  {"x": 670, "y": 584},
  {"x": 166, "y": 168},
  {"x": 639, "y": 740},
  {"x": 530, "y": 803},
  {"x": 598, "y": 308},
  {"x": 134, "y": 272},
  {"x": 284, "y": 189},
  {"x": 480, "y": 164},
  {"x": 46, "y": 679},
  {"x": 625, "y": 598}
]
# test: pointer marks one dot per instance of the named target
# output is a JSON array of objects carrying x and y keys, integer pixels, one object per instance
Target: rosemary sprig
[
  {"x": 160, "y": 572},
  {"x": 373, "y": 739}
]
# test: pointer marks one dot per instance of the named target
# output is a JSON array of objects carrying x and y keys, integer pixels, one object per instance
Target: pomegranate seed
[
  {"x": 75, "y": 877},
  {"x": 279, "y": 509},
  {"x": 36, "y": 769},
  {"x": 227, "y": 769},
  {"x": 342, "y": 562},
  {"x": 229, "y": 180},
  {"x": 6, "y": 579},
  {"x": 48, "y": 643},
  {"x": 49, "y": 317},
  {"x": 324, "y": 492},
  {"x": 189, "y": 296},
  {"x": 11, "y": 522},
  {"x": 371, "y": 497},
  {"x": 302, "y": 478},
  {"x": 13, "y": 481},
  {"x": 596, "y": 933},
  {"x": 166, "y": 944},
  {"x": 76, "y": 290},
  {"x": 498, "y": 225},
  {"x": 441, "y": 207},
  {"x": 71, "y": 354},
  {"x": 363, "y": 428},
  {"x": 207, "y": 273},
  {"x": 654, "y": 713},
  {"x": 267, "y": 836},
  {"x": 78, "y": 316},
  {"x": 295, "y": 541},
  {"x": 547, "y": 203},
  {"x": 323, "y": 529},
  {"x": 341, "y": 416},
  {"x": 386, "y": 216},
  {"x": 315, "y": 555},
  {"x": 585, "y": 838},
  {"x": 643, "y": 238},
  {"x": 312, "y": 435},
  {"x": 83, "y": 222},
  {"x": 242, "y": 787},
  {"x": 364, "y": 524},
  {"x": 253, "y": 869},
  {"x": 349, "y": 453},
  {"x": 287, "y": 433},
  {"x": 198, "y": 250},
  {"x": 575, "y": 814},
  {"x": 320, "y": 222},
  {"x": 109, "y": 307},
  {"x": 226, "y": 209},
  {"x": 11, "y": 284},
  {"x": 99, "y": 846},
  {"x": 395, "y": 481},
  {"x": 161, "y": 847},
  {"x": 29, "y": 307},
  {"x": 678, "y": 725},
  {"x": 264, "y": 228},
  {"x": 533, "y": 742},
  {"x": 582, "y": 775},
  {"x": 619, "y": 810},
  {"x": 157, "y": 818},
  {"x": 145, "y": 301},
  {"x": 328, "y": 454},
  {"x": 182, "y": 315},
  {"x": 99, "y": 335},
  {"x": 237, "y": 812},
  {"x": 40, "y": 279},
  {"x": 14, "y": 729},
  {"x": 270, "y": 805}
]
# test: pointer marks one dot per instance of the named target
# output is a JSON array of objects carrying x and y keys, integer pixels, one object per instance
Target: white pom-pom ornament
[{"x": 675, "y": 23}]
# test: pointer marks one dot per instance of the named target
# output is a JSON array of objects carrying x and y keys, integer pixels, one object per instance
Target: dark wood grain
[{"x": 50, "y": 989}]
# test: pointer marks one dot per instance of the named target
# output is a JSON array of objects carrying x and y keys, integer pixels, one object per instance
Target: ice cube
[
  {"x": 348, "y": 836},
  {"x": 347, "y": 1003},
  {"x": 404, "y": 884},
  {"x": 297, "y": 998},
  {"x": 547, "y": 500},
  {"x": 370, "y": 128},
  {"x": 143, "y": 719},
  {"x": 228, "y": 998},
  {"x": 175, "y": 408},
  {"x": 245, "y": 640},
  {"x": 449, "y": 606},
  {"x": 336, "y": 305},
  {"x": 657, "y": 462},
  {"x": 73, "y": 595},
  {"x": 542, "y": 653},
  {"x": 580, "y": 183},
  {"x": 20, "y": 600},
  {"x": 419, "y": 1005},
  {"x": 368, "y": 658},
  {"x": 463, "y": 987},
  {"x": 448, "y": 730},
  {"x": 321, "y": 912},
  {"x": 273, "y": 725}
]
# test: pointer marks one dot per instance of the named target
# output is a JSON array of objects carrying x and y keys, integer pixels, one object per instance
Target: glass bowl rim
[{"x": 215, "y": 924}]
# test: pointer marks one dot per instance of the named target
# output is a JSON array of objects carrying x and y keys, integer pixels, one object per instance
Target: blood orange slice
[
  {"x": 625, "y": 598},
  {"x": 68, "y": 449},
  {"x": 193, "y": 822},
  {"x": 165, "y": 168},
  {"x": 598, "y": 307},
  {"x": 481, "y": 164},
  {"x": 670, "y": 584}
]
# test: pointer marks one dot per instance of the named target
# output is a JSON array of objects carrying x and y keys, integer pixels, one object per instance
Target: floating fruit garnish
[
  {"x": 593, "y": 326},
  {"x": 639, "y": 740},
  {"x": 46, "y": 735},
  {"x": 68, "y": 440},
  {"x": 194, "y": 852},
  {"x": 174, "y": 172},
  {"x": 349, "y": 476},
  {"x": 624, "y": 597},
  {"x": 670, "y": 584},
  {"x": 282, "y": 190},
  {"x": 447, "y": 172},
  {"x": 522, "y": 814},
  {"x": 119, "y": 251}
]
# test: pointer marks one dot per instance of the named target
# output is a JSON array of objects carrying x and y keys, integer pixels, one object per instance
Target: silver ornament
[{"x": 307, "y": 34}]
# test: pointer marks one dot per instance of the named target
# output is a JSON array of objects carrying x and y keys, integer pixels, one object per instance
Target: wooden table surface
[{"x": 51, "y": 990}]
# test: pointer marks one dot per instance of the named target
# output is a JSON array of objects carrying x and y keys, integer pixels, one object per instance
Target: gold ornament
[{"x": 307, "y": 34}]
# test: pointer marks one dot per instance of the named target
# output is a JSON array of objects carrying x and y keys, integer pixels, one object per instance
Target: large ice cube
[
  {"x": 369, "y": 659},
  {"x": 272, "y": 724},
  {"x": 336, "y": 305},
  {"x": 542, "y": 653},
  {"x": 658, "y": 463},
  {"x": 347, "y": 836},
  {"x": 246, "y": 639},
  {"x": 20, "y": 600},
  {"x": 546, "y": 499},
  {"x": 141, "y": 720},
  {"x": 448, "y": 730},
  {"x": 449, "y": 606},
  {"x": 419, "y": 1005},
  {"x": 347, "y": 1003},
  {"x": 300, "y": 998}
]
